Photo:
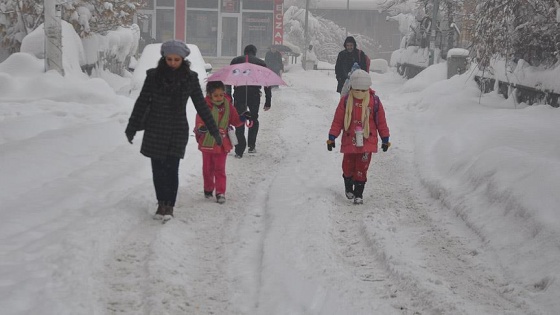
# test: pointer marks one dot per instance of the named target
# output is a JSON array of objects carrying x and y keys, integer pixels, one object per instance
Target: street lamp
[
  {"x": 433, "y": 28},
  {"x": 347, "y": 16},
  {"x": 306, "y": 35}
]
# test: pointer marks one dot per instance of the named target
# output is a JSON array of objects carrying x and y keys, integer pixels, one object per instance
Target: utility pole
[
  {"x": 53, "y": 36},
  {"x": 347, "y": 16},
  {"x": 433, "y": 27},
  {"x": 306, "y": 35}
]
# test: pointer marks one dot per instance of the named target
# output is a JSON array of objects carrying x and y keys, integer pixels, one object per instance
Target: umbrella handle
[{"x": 249, "y": 123}]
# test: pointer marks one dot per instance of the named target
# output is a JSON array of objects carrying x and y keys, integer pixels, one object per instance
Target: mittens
[
  {"x": 385, "y": 144},
  {"x": 330, "y": 142}
]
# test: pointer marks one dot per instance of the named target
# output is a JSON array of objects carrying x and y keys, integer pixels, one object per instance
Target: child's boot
[
  {"x": 358, "y": 192},
  {"x": 348, "y": 187}
]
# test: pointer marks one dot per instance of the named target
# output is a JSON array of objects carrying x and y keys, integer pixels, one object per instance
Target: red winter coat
[
  {"x": 347, "y": 144},
  {"x": 233, "y": 120}
]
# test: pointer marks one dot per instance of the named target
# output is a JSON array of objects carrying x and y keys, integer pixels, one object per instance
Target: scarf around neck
[
  {"x": 209, "y": 140},
  {"x": 364, "y": 116}
]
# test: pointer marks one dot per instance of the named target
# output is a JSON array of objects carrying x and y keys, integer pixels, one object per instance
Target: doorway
[{"x": 229, "y": 36}]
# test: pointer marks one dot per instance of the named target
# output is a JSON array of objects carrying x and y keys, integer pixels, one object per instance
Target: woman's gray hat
[
  {"x": 360, "y": 80},
  {"x": 176, "y": 47}
]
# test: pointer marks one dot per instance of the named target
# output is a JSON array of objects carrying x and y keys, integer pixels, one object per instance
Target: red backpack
[{"x": 368, "y": 61}]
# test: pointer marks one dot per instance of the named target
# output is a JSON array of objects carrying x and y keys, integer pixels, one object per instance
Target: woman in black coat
[{"x": 160, "y": 110}]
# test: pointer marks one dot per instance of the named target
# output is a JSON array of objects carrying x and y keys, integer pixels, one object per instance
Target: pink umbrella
[{"x": 246, "y": 74}]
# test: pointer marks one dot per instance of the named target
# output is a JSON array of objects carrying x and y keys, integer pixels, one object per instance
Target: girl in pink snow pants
[
  {"x": 213, "y": 155},
  {"x": 359, "y": 117}
]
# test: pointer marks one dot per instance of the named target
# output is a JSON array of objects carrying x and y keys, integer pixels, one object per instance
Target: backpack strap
[{"x": 375, "y": 108}]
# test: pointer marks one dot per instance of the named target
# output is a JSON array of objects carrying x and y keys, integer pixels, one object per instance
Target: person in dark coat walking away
[
  {"x": 248, "y": 97},
  {"x": 359, "y": 117},
  {"x": 213, "y": 155},
  {"x": 273, "y": 60},
  {"x": 346, "y": 59},
  {"x": 160, "y": 110}
]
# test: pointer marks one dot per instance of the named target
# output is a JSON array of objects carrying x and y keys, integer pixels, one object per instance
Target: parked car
[{"x": 150, "y": 57}]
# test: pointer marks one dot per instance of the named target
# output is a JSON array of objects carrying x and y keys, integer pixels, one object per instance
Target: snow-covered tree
[
  {"x": 17, "y": 19},
  {"x": 516, "y": 30},
  {"x": 99, "y": 16},
  {"x": 20, "y": 17},
  {"x": 325, "y": 35}
]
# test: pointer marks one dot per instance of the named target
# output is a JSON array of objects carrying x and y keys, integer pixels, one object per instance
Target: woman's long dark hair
[
  {"x": 162, "y": 64},
  {"x": 172, "y": 78}
]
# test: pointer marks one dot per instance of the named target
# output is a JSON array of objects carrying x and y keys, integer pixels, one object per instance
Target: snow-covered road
[{"x": 287, "y": 241}]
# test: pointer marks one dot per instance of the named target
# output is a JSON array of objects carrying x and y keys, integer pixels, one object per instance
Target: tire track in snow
[{"x": 434, "y": 263}]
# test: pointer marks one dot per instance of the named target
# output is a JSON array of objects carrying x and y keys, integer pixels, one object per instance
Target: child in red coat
[
  {"x": 213, "y": 155},
  {"x": 360, "y": 117}
]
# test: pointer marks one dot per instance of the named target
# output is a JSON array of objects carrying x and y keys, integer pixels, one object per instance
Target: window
[
  {"x": 202, "y": 30},
  {"x": 258, "y": 4},
  {"x": 257, "y": 30},
  {"x": 165, "y": 3},
  {"x": 203, "y": 4},
  {"x": 165, "y": 19},
  {"x": 230, "y": 6}
]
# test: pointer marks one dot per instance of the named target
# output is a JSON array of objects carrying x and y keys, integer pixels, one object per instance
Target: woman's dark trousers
[{"x": 166, "y": 179}]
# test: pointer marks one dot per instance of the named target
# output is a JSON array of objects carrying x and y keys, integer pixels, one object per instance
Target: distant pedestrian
[
  {"x": 249, "y": 98},
  {"x": 160, "y": 110},
  {"x": 213, "y": 155},
  {"x": 346, "y": 58},
  {"x": 359, "y": 117},
  {"x": 311, "y": 57},
  {"x": 273, "y": 60}
]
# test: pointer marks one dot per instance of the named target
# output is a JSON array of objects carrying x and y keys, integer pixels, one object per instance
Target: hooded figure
[{"x": 346, "y": 58}]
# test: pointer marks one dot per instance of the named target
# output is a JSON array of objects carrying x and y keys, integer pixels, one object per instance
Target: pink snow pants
[
  {"x": 214, "y": 172},
  {"x": 356, "y": 165}
]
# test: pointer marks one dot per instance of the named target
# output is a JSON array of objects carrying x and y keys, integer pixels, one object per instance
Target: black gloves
[
  {"x": 385, "y": 144},
  {"x": 266, "y": 105},
  {"x": 130, "y": 135},
  {"x": 330, "y": 142}
]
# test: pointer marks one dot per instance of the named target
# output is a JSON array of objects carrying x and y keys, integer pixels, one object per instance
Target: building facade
[{"x": 220, "y": 28}]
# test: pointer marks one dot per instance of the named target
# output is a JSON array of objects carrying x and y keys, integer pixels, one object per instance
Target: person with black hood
[
  {"x": 248, "y": 97},
  {"x": 346, "y": 58},
  {"x": 160, "y": 111}
]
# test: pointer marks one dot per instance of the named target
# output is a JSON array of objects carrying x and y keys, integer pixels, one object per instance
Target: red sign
[{"x": 278, "y": 22}]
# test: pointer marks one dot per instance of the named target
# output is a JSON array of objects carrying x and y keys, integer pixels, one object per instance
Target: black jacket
[
  {"x": 345, "y": 60},
  {"x": 163, "y": 114},
  {"x": 274, "y": 61},
  {"x": 244, "y": 93}
]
